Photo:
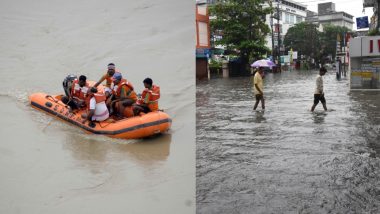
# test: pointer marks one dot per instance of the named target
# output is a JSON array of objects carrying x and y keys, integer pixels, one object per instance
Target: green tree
[
  {"x": 242, "y": 26},
  {"x": 329, "y": 39},
  {"x": 307, "y": 40},
  {"x": 374, "y": 32},
  {"x": 304, "y": 38}
]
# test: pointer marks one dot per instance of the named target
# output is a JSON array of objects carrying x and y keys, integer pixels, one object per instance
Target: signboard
[
  {"x": 285, "y": 59},
  {"x": 364, "y": 46},
  {"x": 202, "y": 52},
  {"x": 275, "y": 36},
  {"x": 365, "y": 73},
  {"x": 362, "y": 22},
  {"x": 277, "y": 28},
  {"x": 365, "y": 79},
  {"x": 293, "y": 55}
]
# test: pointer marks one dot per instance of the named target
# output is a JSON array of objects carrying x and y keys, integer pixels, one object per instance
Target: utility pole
[
  {"x": 271, "y": 27},
  {"x": 378, "y": 15},
  {"x": 278, "y": 37}
]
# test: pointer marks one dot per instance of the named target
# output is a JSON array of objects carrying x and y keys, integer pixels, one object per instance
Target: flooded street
[
  {"x": 287, "y": 159},
  {"x": 48, "y": 166}
]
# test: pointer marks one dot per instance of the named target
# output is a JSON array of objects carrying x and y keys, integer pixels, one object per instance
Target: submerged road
[{"x": 287, "y": 159}]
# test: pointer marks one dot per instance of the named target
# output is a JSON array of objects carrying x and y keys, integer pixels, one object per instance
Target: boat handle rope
[
  {"x": 100, "y": 124},
  {"x": 108, "y": 123},
  {"x": 49, "y": 97}
]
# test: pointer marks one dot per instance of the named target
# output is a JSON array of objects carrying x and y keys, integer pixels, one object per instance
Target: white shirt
[
  {"x": 101, "y": 111},
  {"x": 319, "y": 85}
]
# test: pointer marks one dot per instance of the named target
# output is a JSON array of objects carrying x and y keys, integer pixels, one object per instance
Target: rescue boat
[{"x": 142, "y": 126}]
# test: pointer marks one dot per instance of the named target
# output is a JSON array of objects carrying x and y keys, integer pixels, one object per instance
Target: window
[
  {"x": 299, "y": 19},
  {"x": 292, "y": 19},
  {"x": 287, "y": 18},
  {"x": 203, "y": 34}
]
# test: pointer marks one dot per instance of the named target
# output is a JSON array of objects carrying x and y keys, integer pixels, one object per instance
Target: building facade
[
  {"x": 327, "y": 15},
  {"x": 375, "y": 17},
  {"x": 290, "y": 13},
  {"x": 203, "y": 45},
  {"x": 365, "y": 63}
]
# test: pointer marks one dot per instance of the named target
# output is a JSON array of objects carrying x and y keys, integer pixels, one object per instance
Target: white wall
[
  {"x": 360, "y": 46},
  {"x": 284, "y": 9}
]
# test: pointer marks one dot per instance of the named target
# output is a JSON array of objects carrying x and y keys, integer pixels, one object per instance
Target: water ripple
[{"x": 286, "y": 159}]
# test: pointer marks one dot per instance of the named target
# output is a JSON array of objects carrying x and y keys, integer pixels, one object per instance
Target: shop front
[{"x": 365, "y": 63}]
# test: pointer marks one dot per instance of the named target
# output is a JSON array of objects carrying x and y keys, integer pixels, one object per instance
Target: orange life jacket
[
  {"x": 130, "y": 94},
  {"x": 79, "y": 92},
  {"x": 128, "y": 112},
  {"x": 154, "y": 96},
  {"x": 108, "y": 80},
  {"x": 98, "y": 98}
]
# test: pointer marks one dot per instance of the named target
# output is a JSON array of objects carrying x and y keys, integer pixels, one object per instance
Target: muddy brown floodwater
[{"x": 48, "y": 166}]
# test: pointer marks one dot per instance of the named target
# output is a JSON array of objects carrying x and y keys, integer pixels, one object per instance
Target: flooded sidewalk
[{"x": 287, "y": 159}]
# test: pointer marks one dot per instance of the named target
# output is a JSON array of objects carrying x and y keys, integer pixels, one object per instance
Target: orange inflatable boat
[{"x": 128, "y": 128}]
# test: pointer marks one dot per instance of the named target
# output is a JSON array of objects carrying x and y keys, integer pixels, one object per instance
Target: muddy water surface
[
  {"x": 47, "y": 166},
  {"x": 286, "y": 159}
]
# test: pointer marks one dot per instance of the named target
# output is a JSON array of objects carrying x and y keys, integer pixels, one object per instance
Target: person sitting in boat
[
  {"x": 131, "y": 109},
  {"x": 97, "y": 109},
  {"x": 149, "y": 97},
  {"x": 108, "y": 77},
  {"x": 79, "y": 90},
  {"x": 122, "y": 91}
]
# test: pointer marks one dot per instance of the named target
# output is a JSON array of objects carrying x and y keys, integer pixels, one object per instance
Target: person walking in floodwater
[
  {"x": 338, "y": 67},
  {"x": 258, "y": 88},
  {"x": 318, "y": 93}
]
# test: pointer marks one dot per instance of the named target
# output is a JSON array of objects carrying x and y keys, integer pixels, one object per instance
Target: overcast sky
[{"x": 353, "y": 7}]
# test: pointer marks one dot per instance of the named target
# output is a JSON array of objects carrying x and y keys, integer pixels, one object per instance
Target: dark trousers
[{"x": 70, "y": 102}]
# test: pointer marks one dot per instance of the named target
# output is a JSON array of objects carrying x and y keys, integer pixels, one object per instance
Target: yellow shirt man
[
  {"x": 258, "y": 82},
  {"x": 258, "y": 88}
]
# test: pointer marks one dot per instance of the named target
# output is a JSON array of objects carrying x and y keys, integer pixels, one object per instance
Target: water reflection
[
  {"x": 319, "y": 117},
  {"x": 259, "y": 116},
  {"x": 97, "y": 149}
]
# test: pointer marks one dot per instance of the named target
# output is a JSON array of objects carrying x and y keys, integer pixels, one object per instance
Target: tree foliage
[
  {"x": 304, "y": 38},
  {"x": 308, "y": 41},
  {"x": 374, "y": 32},
  {"x": 241, "y": 24},
  {"x": 329, "y": 39}
]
